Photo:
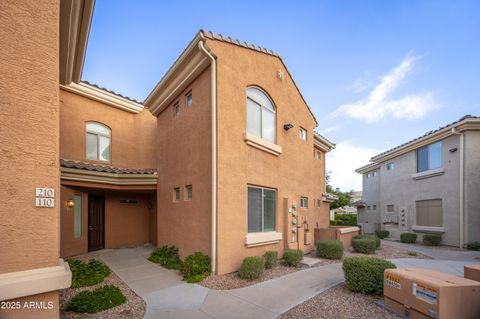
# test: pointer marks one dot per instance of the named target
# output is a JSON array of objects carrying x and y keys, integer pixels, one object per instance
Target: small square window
[
  {"x": 176, "y": 109},
  {"x": 368, "y": 207},
  {"x": 303, "y": 134},
  {"x": 304, "y": 202},
  {"x": 375, "y": 173},
  {"x": 189, "y": 191},
  {"x": 318, "y": 155},
  {"x": 176, "y": 194},
  {"x": 390, "y": 166},
  {"x": 319, "y": 203},
  {"x": 374, "y": 207},
  {"x": 369, "y": 175},
  {"x": 189, "y": 99},
  {"x": 390, "y": 208}
]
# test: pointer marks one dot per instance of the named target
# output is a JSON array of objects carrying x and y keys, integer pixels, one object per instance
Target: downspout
[
  {"x": 214, "y": 152},
  {"x": 461, "y": 190}
]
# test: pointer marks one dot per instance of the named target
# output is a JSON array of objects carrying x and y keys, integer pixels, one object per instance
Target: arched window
[
  {"x": 98, "y": 142},
  {"x": 261, "y": 115}
]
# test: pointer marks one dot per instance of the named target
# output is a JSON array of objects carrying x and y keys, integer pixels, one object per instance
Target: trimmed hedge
[
  {"x": 378, "y": 241},
  {"x": 166, "y": 256},
  {"x": 195, "y": 267},
  {"x": 271, "y": 259},
  {"x": 330, "y": 249},
  {"x": 87, "y": 274},
  {"x": 252, "y": 267},
  {"x": 473, "y": 245},
  {"x": 382, "y": 233},
  {"x": 364, "y": 245},
  {"x": 432, "y": 239},
  {"x": 408, "y": 238},
  {"x": 292, "y": 257},
  {"x": 102, "y": 298},
  {"x": 365, "y": 274}
]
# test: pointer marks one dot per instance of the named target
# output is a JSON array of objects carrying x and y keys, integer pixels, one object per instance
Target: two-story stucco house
[{"x": 428, "y": 185}]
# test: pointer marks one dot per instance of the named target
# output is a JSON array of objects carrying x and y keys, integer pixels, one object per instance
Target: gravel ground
[
  {"x": 420, "y": 244},
  {"x": 339, "y": 303},
  {"x": 133, "y": 308},
  {"x": 232, "y": 281}
]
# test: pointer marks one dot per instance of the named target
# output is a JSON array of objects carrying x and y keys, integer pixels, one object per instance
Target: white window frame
[
  {"x": 98, "y": 135},
  {"x": 390, "y": 166},
  {"x": 188, "y": 196},
  {"x": 176, "y": 190},
  {"x": 303, "y": 202},
  {"x": 263, "y": 210},
  {"x": 187, "y": 96},
  {"x": 263, "y": 108},
  {"x": 303, "y": 134}
]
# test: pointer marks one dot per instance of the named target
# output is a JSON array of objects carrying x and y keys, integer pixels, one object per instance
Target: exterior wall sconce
[
  {"x": 288, "y": 126},
  {"x": 150, "y": 205},
  {"x": 70, "y": 203}
]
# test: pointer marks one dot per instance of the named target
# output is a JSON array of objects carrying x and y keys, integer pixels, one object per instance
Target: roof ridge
[{"x": 111, "y": 92}]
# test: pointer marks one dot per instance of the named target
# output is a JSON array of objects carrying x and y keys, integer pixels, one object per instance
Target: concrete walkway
[{"x": 167, "y": 296}]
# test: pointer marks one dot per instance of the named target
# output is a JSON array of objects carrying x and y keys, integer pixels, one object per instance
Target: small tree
[{"x": 344, "y": 198}]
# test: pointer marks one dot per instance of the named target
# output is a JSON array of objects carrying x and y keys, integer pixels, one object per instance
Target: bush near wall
[
  {"x": 365, "y": 274},
  {"x": 195, "y": 267},
  {"x": 382, "y": 233},
  {"x": 330, "y": 249},
  {"x": 364, "y": 245},
  {"x": 378, "y": 241},
  {"x": 344, "y": 220},
  {"x": 473, "y": 245},
  {"x": 292, "y": 257},
  {"x": 271, "y": 259},
  {"x": 408, "y": 238},
  {"x": 87, "y": 274},
  {"x": 102, "y": 298},
  {"x": 432, "y": 239},
  {"x": 166, "y": 256},
  {"x": 252, "y": 267}
]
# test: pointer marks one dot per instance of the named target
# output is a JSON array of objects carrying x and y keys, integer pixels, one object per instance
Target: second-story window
[
  {"x": 176, "y": 110},
  {"x": 429, "y": 157},
  {"x": 261, "y": 115},
  {"x": 189, "y": 99},
  {"x": 390, "y": 166},
  {"x": 304, "y": 202},
  {"x": 98, "y": 142},
  {"x": 303, "y": 134}
]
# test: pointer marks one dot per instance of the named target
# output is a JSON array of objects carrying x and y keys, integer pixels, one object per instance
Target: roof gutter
[{"x": 213, "y": 79}]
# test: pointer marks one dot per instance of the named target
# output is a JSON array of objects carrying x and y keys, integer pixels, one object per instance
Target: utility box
[
  {"x": 422, "y": 293},
  {"x": 472, "y": 272}
]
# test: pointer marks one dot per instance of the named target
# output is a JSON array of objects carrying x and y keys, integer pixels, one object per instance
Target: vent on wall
[{"x": 129, "y": 201}]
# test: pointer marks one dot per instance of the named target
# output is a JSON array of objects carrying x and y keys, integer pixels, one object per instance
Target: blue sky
[{"x": 375, "y": 73}]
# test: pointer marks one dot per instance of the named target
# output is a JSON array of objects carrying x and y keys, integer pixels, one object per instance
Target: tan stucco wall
[
  {"x": 293, "y": 174},
  {"x": 184, "y": 158},
  {"x": 132, "y": 135},
  {"x": 34, "y": 307}
]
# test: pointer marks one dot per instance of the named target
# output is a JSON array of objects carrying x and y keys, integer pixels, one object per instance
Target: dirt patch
[{"x": 339, "y": 302}]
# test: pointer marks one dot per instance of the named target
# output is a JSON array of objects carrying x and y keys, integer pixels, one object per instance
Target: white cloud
[
  {"x": 361, "y": 84},
  {"x": 342, "y": 163},
  {"x": 331, "y": 129},
  {"x": 379, "y": 103}
]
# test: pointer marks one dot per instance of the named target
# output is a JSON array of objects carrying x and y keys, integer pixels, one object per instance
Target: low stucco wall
[{"x": 344, "y": 234}]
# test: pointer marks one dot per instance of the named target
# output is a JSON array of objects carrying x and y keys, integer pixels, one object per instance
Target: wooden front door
[{"x": 96, "y": 222}]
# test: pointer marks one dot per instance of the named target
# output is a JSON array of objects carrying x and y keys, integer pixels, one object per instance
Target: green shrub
[
  {"x": 252, "y": 267},
  {"x": 87, "y": 274},
  {"x": 344, "y": 220},
  {"x": 330, "y": 249},
  {"x": 364, "y": 245},
  {"x": 166, "y": 256},
  {"x": 292, "y": 257},
  {"x": 382, "y": 233},
  {"x": 412, "y": 253},
  {"x": 365, "y": 274},
  {"x": 408, "y": 238},
  {"x": 473, "y": 245},
  {"x": 102, "y": 298},
  {"x": 432, "y": 239},
  {"x": 271, "y": 259},
  {"x": 195, "y": 267},
  {"x": 378, "y": 241}
]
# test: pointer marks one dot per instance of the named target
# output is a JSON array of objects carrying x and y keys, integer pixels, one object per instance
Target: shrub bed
[
  {"x": 382, "y": 233},
  {"x": 408, "y": 238},
  {"x": 271, "y": 259},
  {"x": 102, "y": 298},
  {"x": 166, "y": 256},
  {"x": 292, "y": 257},
  {"x": 87, "y": 274},
  {"x": 365, "y": 274},
  {"x": 432, "y": 239},
  {"x": 330, "y": 249},
  {"x": 195, "y": 267},
  {"x": 364, "y": 245},
  {"x": 473, "y": 245},
  {"x": 252, "y": 267}
]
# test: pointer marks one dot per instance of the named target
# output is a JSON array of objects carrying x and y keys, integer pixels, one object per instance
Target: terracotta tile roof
[
  {"x": 220, "y": 37},
  {"x": 105, "y": 168},
  {"x": 111, "y": 92}
]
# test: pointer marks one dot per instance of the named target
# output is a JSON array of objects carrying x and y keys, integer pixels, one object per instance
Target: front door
[{"x": 96, "y": 221}]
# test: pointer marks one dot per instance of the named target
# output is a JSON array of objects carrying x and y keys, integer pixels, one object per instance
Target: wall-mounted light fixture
[
  {"x": 70, "y": 203},
  {"x": 288, "y": 126},
  {"x": 150, "y": 205}
]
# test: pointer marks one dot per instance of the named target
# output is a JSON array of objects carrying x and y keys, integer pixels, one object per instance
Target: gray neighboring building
[{"x": 428, "y": 185}]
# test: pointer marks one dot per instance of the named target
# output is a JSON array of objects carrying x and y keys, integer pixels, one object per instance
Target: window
[
  {"x": 176, "y": 194},
  {"x": 261, "y": 210},
  {"x": 390, "y": 166},
  {"x": 261, "y": 115},
  {"x": 390, "y": 208},
  {"x": 319, "y": 203},
  {"x": 368, "y": 207},
  {"x": 98, "y": 142},
  {"x": 189, "y": 99},
  {"x": 189, "y": 191},
  {"x": 369, "y": 175},
  {"x": 176, "y": 109},
  {"x": 317, "y": 154},
  {"x": 304, "y": 202},
  {"x": 429, "y": 213},
  {"x": 375, "y": 173},
  {"x": 303, "y": 134},
  {"x": 77, "y": 216},
  {"x": 374, "y": 207},
  {"x": 429, "y": 157}
]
